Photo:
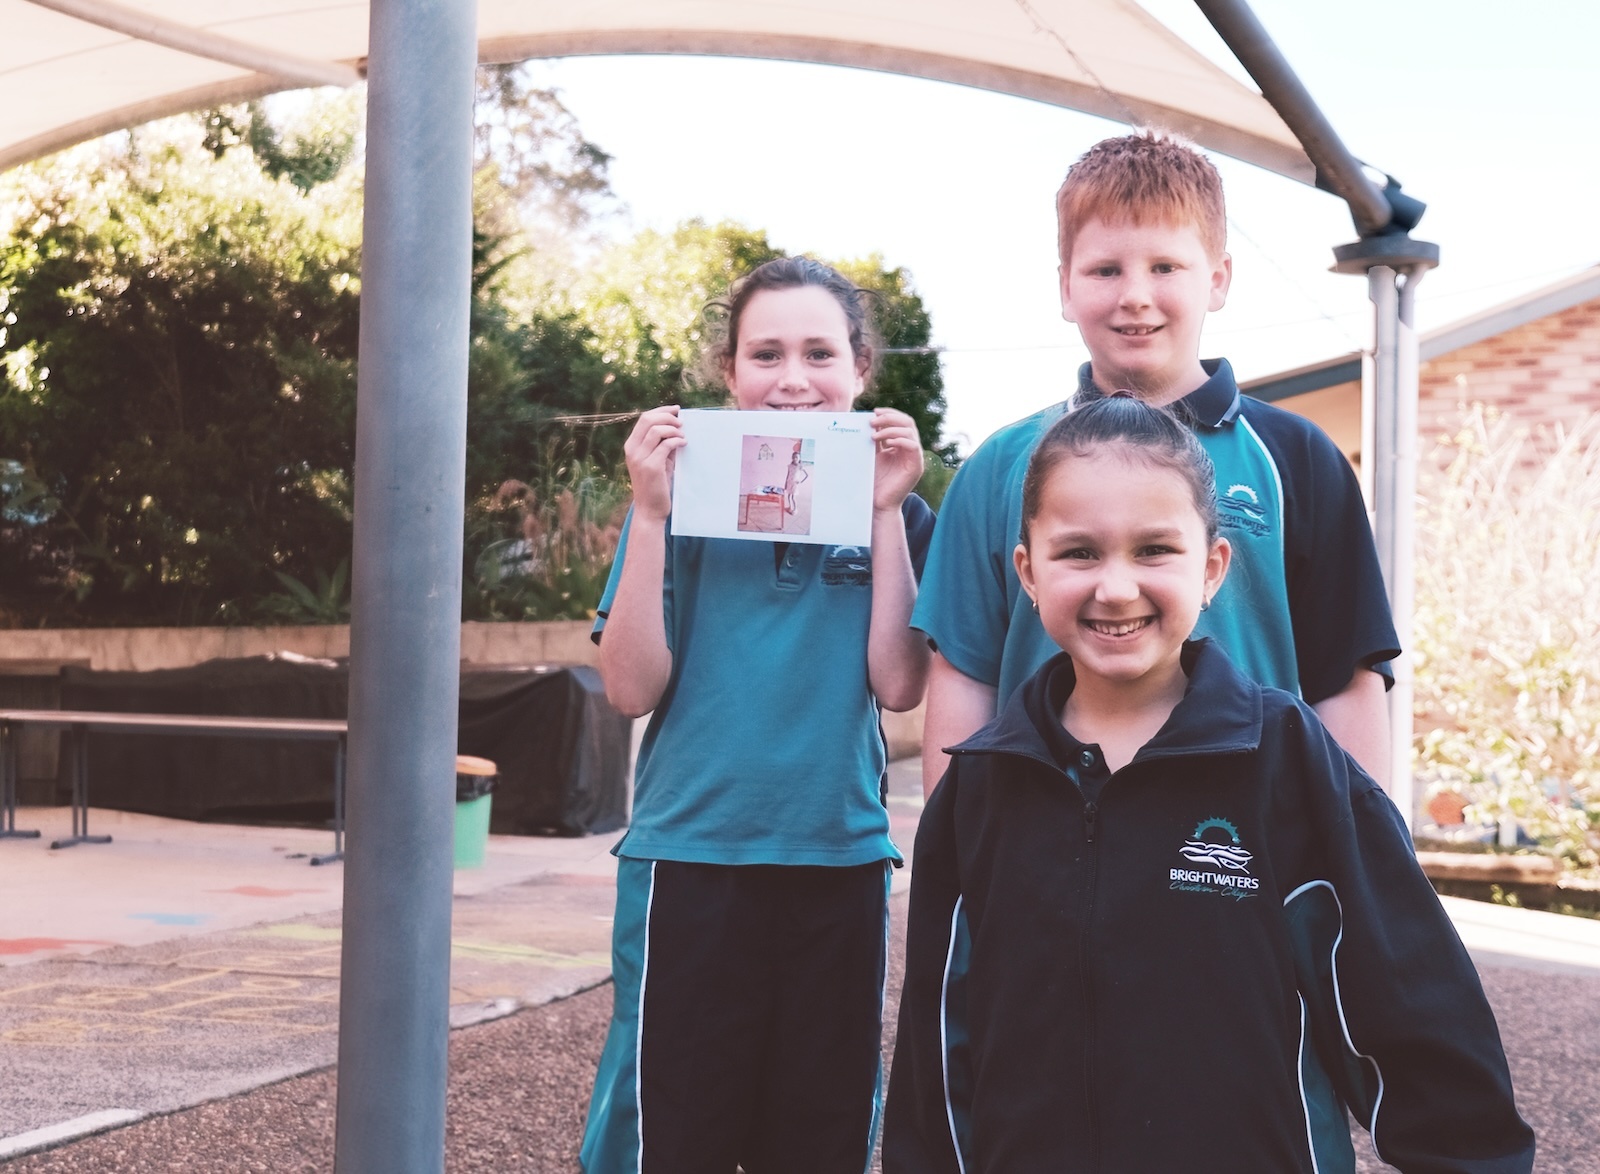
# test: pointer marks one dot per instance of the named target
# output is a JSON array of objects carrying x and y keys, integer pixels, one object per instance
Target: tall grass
[
  {"x": 542, "y": 550},
  {"x": 1508, "y": 630}
]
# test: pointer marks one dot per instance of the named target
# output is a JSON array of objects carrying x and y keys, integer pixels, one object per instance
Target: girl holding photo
[{"x": 751, "y": 930}]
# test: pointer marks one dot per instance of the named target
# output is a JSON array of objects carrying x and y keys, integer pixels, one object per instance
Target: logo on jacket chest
[
  {"x": 847, "y": 566},
  {"x": 1216, "y": 862},
  {"x": 1240, "y": 510}
]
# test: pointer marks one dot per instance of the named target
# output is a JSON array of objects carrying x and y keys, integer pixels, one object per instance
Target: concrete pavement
[{"x": 184, "y": 962}]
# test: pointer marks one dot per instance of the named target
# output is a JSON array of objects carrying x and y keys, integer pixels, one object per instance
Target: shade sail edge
[
  {"x": 1232, "y": 124},
  {"x": 1273, "y": 155}
]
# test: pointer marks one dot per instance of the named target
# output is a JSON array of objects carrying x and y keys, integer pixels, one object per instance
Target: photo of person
[{"x": 775, "y": 485}]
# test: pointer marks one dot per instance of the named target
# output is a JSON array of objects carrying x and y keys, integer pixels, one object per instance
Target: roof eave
[{"x": 1574, "y": 290}]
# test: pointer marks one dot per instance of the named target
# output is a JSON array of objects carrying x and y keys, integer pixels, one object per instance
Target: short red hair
[{"x": 1148, "y": 177}]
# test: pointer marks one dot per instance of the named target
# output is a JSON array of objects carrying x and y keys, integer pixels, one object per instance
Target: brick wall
[{"x": 1543, "y": 373}]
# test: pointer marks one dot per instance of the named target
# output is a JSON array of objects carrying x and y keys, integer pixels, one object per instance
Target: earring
[
  {"x": 1204, "y": 603},
  {"x": 1035, "y": 603}
]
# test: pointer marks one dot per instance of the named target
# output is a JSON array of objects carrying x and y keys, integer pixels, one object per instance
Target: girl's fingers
[
  {"x": 642, "y": 444},
  {"x": 901, "y": 427},
  {"x": 883, "y": 418},
  {"x": 654, "y": 418}
]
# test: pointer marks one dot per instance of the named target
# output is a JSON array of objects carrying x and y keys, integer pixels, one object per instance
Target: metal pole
[
  {"x": 1402, "y": 541},
  {"x": 1393, "y": 394},
  {"x": 1386, "y": 446},
  {"x": 406, "y": 620},
  {"x": 1337, "y": 169},
  {"x": 1385, "y": 320},
  {"x": 1393, "y": 263}
]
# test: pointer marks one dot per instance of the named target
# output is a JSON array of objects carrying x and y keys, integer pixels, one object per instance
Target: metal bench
[{"x": 78, "y": 724}]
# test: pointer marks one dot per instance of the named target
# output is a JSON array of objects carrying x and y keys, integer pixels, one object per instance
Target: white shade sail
[{"x": 74, "y": 69}]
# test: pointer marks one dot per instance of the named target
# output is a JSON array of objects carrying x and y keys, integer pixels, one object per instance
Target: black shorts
[{"x": 759, "y": 1043}]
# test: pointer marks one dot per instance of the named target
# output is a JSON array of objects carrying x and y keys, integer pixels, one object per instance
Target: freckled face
[
  {"x": 793, "y": 354},
  {"x": 1119, "y": 564},
  {"x": 1139, "y": 294}
]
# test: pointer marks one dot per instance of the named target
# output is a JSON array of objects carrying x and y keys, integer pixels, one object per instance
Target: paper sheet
[{"x": 775, "y": 476}]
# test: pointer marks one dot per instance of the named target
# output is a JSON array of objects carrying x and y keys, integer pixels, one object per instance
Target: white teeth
[{"x": 1125, "y": 628}]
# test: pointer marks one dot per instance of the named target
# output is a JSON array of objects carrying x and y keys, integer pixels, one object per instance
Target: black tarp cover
[{"x": 561, "y": 749}]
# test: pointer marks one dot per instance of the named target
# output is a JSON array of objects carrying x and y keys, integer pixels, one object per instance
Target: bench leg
[
  {"x": 8, "y": 790},
  {"x": 338, "y": 810},
  {"x": 79, "y": 742}
]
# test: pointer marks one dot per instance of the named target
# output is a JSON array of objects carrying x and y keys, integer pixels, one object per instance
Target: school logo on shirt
[
  {"x": 1217, "y": 861},
  {"x": 1240, "y": 509},
  {"x": 847, "y": 566}
]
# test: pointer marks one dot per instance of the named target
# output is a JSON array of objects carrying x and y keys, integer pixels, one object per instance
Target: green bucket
[{"x": 472, "y": 831}]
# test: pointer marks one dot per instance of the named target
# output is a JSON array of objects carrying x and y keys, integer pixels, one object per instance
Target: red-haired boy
[{"x": 1142, "y": 245}]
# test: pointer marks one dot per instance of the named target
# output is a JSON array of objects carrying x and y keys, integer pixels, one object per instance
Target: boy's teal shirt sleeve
[
  {"x": 969, "y": 597},
  {"x": 961, "y": 602}
]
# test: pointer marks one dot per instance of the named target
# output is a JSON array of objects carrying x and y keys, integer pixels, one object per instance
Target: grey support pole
[
  {"x": 1337, "y": 170},
  {"x": 1392, "y": 460},
  {"x": 1381, "y": 373},
  {"x": 406, "y": 621},
  {"x": 1400, "y": 541},
  {"x": 1393, "y": 263}
]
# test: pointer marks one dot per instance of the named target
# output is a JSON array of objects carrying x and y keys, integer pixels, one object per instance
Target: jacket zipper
[{"x": 1091, "y": 814}]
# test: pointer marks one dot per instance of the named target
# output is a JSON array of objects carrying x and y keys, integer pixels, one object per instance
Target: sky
[{"x": 1489, "y": 113}]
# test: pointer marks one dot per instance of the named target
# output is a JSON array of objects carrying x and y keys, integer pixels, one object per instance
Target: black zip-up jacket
[{"x": 1135, "y": 981}]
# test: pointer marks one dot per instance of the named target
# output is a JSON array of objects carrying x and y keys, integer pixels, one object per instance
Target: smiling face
[
  {"x": 1118, "y": 562},
  {"x": 1139, "y": 294},
  {"x": 793, "y": 354}
]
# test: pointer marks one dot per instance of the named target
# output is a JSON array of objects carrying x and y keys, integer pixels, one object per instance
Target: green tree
[
  {"x": 646, "y": 298},
  {"x": 541, "y": 189},
  {"x": 539, "y": 498},
  {"x": 180, "y": 335},
  {"x": 909, "y": 377},
  {"x": 178, "y": 318},
  {"x": 308, "y": 142}
]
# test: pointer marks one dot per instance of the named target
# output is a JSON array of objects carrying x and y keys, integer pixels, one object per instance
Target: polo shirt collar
[{"x": 1214, "y": 403}]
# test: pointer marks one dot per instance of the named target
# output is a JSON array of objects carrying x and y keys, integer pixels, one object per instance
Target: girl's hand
[
  {"x": 899, "y": 458},
  {"x": 651, "y": 451}
]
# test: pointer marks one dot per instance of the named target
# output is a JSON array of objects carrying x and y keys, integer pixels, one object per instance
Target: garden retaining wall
[{"x": 28, "y": 653}]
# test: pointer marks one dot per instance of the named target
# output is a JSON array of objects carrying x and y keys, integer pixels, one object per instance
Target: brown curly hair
[{"x": 788, "y": 273}]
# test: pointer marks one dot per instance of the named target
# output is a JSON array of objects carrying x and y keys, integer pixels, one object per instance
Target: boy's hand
[
  {"x": 899, "y": 453},
  {"x": 651, "y": 451}
]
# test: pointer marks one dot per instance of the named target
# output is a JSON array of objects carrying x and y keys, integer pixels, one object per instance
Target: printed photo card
[{"x": 775, "y": 476}]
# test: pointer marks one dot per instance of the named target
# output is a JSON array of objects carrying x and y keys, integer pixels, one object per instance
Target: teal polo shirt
[
  {"x": 766, "y": 747},
  {"x": 1303, "y": 605}
]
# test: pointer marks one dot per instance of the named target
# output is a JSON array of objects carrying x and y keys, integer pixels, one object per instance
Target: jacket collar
[
  {"x": 1220, "y": 712},
  {"x": 1213, "y": 404}
]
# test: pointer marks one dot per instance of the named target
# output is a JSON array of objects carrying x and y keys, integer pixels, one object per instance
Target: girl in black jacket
[{"x": 1160, "y": 921}]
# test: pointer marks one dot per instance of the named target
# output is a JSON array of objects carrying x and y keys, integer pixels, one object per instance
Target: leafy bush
[
  {"x": 179, "y": 307},
  {"x": 1508, "y": 631},
  {"x": 543, "y": 551},
  {"x": 328, "y": 602},
  {"x": 178, "y": 334}
]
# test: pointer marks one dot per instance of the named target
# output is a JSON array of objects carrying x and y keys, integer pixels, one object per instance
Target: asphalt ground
[{"x": 525, "y": 943}]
